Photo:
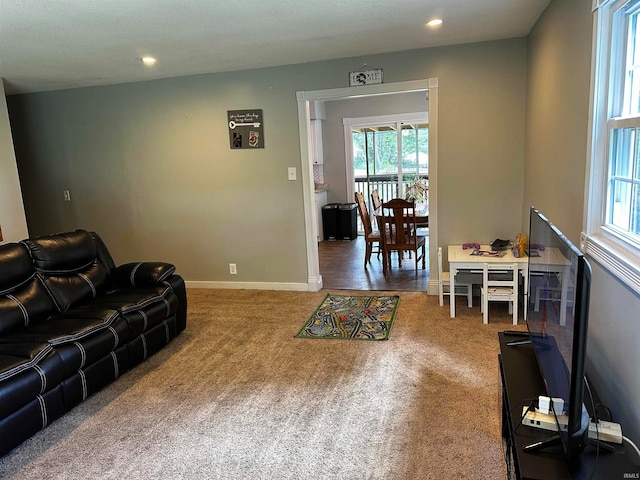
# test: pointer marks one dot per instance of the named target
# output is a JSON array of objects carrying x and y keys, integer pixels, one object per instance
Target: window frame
[{"x": 613, "y": 248}]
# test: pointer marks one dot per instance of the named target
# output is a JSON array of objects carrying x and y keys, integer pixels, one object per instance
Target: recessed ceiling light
[
  {"x": 435, "y": 22},
  {"x": 148, "y": 60}
]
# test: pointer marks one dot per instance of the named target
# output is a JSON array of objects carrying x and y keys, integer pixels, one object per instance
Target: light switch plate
[{"x": 292, "y": 173}]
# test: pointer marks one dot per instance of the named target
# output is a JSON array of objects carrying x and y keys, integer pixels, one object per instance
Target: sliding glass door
[{"x": 388, "y": 156}]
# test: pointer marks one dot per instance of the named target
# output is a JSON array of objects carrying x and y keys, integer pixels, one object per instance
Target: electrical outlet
[
  {"x": 293, "y": 175},
  {"x": 232, "y": 269},
  {"x": 67, "y": 195}
]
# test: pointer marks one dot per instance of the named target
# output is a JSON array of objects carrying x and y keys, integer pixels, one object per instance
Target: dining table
[{"x": 421, "y": 214}]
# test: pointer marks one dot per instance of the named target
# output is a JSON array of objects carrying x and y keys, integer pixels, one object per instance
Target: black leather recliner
[{"x": 71, "y": 322}]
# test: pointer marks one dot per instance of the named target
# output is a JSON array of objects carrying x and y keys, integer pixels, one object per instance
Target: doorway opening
[{"x": 430, "y": 88}]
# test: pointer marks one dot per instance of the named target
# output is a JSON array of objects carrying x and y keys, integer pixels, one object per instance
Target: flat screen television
[{"x": 557, "y": 318}]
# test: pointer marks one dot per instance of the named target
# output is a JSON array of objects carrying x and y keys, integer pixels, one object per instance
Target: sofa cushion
[
  {"x": 142, "y": 308},
  {"x": 17, "y": 355},
  {"x": 78, "y": 287},
  {"x": 131, "y": 299},
  {"x": 17, "y": 266},
  {"x": 26, "y": 371},
  {"x": 23, "y": 298},
  {"x": 61, "y": 330},
  {"x": 28, "y": 304},
  {"x": 63, "y": 252},
  {"x": 69, "y": 266}
]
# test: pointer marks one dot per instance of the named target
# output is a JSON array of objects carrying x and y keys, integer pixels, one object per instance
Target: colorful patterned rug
[{"x": 350, "y": 316}]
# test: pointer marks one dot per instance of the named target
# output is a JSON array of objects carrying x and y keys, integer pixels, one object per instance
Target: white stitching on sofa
[
  {"x": 85, "y": 333},
  {"x": 83, "y": 379},
  {"x": 146, "y": 320},
  {"x": 43, "y": 410},
  {"x": 25, "y": 314},
  {"x": 166, "y": 302},
  {"x": 83, "y": 353},
  {"x": 144, "y": 303},
  {"x": 115, "y": 364},
  {"x": 25, "y": 366},
  {"x": 86, "y": 279},
  {"x": 115, "y": 337},
  {"x": 43, "y": 282},
  {"x": 43, "y": 378},
  {"x": 92, "y": 262},
  {"x": 168, "y": 285},
  {"x": 15, "y": 287},
  {"x": 144, "y": 347},
  {"x": 133, "y": 274},
  {"x": 167, "y": 274}
]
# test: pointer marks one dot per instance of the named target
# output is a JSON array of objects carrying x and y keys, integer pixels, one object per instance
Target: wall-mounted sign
[
  {"x": 365, "y": 77},
  {"x": 245, "y": 128}
]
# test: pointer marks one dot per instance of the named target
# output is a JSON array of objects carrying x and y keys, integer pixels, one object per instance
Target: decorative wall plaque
[
  {"x": 245, "y": 129},
  {"x": 365, "y": 77}
]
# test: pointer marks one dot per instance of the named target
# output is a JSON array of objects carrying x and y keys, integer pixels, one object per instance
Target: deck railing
[{"x": 387, "y": 186}]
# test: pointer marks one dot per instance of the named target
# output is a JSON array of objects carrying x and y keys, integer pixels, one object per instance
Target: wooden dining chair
[
  {"x": 398, "y": 231},
  {"x": 371, "y": 238},
  {"x": 376, "y": 201},
  {"x": 499, "y": 284}
]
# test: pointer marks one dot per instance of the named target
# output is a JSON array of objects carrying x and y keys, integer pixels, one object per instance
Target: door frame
[{"x": 430, "y": 87}]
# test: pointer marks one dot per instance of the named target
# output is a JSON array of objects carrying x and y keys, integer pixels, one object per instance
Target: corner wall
[
  {"x": 12, "y": 216},
  {"x": 558, "y": 87}
]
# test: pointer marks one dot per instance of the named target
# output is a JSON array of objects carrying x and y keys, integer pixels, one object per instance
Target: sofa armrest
[{"x": 141, "y": 274}]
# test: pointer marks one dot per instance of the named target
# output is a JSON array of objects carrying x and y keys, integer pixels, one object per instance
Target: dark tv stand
[
  {"x": 555, "y": 441},
  {"x": 522, "y": 383}
]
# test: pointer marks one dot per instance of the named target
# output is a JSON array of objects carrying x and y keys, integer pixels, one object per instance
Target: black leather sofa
[{"x": 71, "y": 322}]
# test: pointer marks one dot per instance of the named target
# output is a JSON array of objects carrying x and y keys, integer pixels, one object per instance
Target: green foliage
[{"x": 382, "y": 150}]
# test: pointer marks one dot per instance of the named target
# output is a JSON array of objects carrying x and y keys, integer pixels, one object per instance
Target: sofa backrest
[
  {"x": 23, "y": 298},
  {"x": 69, "y": 266}
]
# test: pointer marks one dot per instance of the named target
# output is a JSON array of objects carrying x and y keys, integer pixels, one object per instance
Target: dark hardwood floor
[{"x": 342, "y": 267}]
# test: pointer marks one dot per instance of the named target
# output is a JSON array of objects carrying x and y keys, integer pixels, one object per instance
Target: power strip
[{"x": 606, "y": 431}]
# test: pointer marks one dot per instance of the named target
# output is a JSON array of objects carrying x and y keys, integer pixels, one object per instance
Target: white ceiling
[{"x": 56, "y": 44}]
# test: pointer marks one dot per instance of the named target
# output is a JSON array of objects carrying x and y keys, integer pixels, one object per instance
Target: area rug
[{"x": 352, "y": 317}]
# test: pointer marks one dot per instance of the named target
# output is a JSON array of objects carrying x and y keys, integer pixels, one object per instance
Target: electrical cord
[
  {"x": 530, "y": 408},
  {"x": 606, "y": 408},
  {"x": 630, "y": 442},
  {"x": 595, "y": 421},
  {"x": 595, "y": 410}
]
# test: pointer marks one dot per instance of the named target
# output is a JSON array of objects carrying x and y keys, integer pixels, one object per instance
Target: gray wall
[
  {"x": 12, "y": 218},
  {"x": 555, "y": 161},
  {"x": 149, "y": 166}
]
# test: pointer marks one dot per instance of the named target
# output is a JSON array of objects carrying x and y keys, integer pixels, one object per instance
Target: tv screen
[{"x": 557, "y": 316}]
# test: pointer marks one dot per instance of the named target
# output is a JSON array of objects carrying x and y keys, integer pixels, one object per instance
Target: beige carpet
[{"x": 236, "y": 396}]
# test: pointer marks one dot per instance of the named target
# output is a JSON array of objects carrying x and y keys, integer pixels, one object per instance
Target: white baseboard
[
  {"x": 432, "y": 287},
  {"x": 298, "y": 287},
  {"x": 312, "y": 286}
]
